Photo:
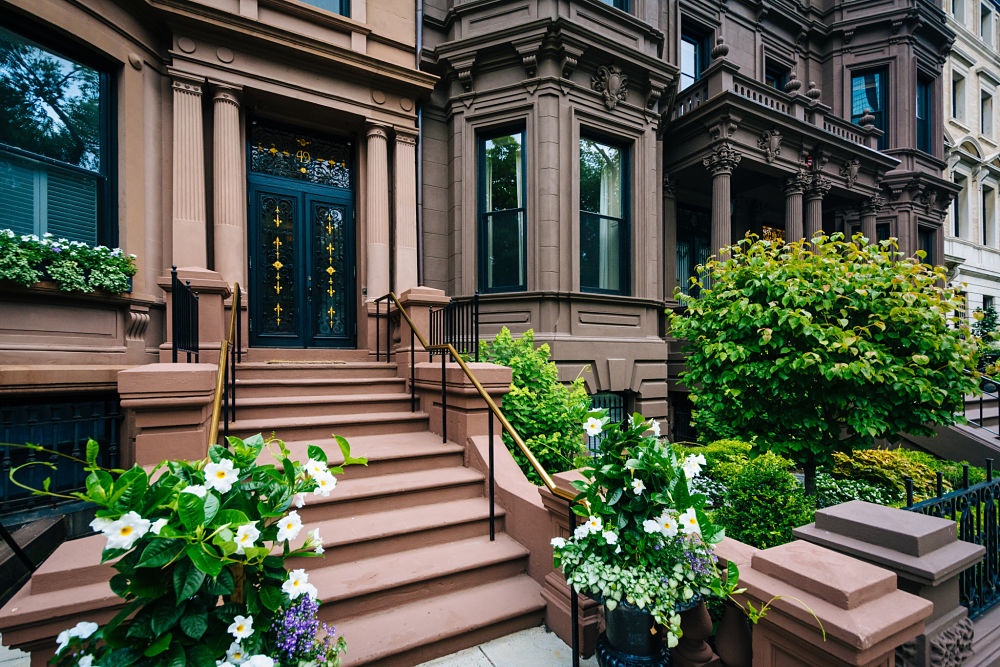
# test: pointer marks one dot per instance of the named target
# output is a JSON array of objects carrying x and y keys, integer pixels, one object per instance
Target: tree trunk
[{"x": 810, "y": 478}]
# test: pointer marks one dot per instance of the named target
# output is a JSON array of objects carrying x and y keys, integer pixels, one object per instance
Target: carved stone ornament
[
  {"x": 819, "y": 186},
  {"x": 770, "y": 143},
  {"x": 669, "y": 189},
  {"x": 794, "y": 85},
  {"x": 849, "y": 170},
  {"x": 796, "y": 183},
  {"x": 722, "y": 160},
  {"x": 875, "y": 203},
  {"x": 950, "y": 648},
  {"x": 611, "y": 83}
]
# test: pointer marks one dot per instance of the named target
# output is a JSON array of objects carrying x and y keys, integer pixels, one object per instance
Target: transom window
[
  {"x": 868, "y": 94},
  {"x": 342, "y": 7},
  {"x": 502, "y": 238},
  {"x": 604, "y": 220},
  {"x": 53, "y": 143}
]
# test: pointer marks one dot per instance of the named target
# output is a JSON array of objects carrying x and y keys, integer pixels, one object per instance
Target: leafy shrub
[
  {"x": 831, "y": 491},
  {"x": 952, "y": 471},
  {"x": 546, "y": 413},
  {"x": 888, "y": 468},
  {"x": 73, "y": 265},
  {"x": 716, "y": 453},
  {"x": 763, "y": 502}
]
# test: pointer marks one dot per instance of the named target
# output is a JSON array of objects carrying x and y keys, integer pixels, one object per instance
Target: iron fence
[
  {"x": 988, "y": 402},
  {"x": 458, "y": 324},
  {"x": 184, "y": 316},
  {"x": 615, "y": 405},
  {"x": 974, "y": 509}
]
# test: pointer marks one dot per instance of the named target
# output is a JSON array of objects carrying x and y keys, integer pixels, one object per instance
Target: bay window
[
  {"x": 868, "y": 93},
  {"x": 604, "y": 219},
  {"x": 502, "y": 242}
]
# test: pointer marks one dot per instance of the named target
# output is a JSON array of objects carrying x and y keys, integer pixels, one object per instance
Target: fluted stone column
[
  {"x": 377, "y": 210},
  {"x": 189, "y": 220},
  {"x": 720, "y": 164},
  {"x": 228, "y": 182},
  {"x": 869, "y": 213},
  {"x": 669, "y": 238},
  {"x": 406, "y": 211},
  {"x": 794, "y": 187},
  {"x": 815, "y": 192}
]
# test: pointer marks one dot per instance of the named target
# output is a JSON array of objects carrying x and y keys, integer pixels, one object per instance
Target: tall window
[
  {"x": 342, "y": 7},
  {"x": 957, "y": 96},
  {"x": 985, "y": 113},
  {"x": 604, "y": 234},
  {"x": 695, "y": 52},
  {"x": 925, "y": 237},
  {"x": 868, "y": 94},
  {"x": 502, "y": 242},
  {"x": 987, "y": 212},
  {"x": 986, "y": 24},
  {"x": 53, "y": 153},
  {"x": 958, "y": 223},
  {"x": 775, "y": 75},
  {"x": 924, "y": 111}
]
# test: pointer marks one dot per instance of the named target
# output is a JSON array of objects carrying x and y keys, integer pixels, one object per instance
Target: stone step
[
  {"x": 322, "y": 427},
  {"x": 258, "y": 370},
  {"x": 386, "y": 454},
  {"x": 309, "y": 386},
  {"x": 307, "y": 406},
  {"x": 438, "y": 625},
  {"x": 271, "y": 354}
]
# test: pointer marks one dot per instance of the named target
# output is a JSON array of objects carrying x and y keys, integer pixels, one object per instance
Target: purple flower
[{"x": 295, "y": 633}]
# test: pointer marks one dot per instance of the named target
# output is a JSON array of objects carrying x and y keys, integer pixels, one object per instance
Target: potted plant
[
  {"x": 644, "y": 547},
  {"x": 200, "y": 550},
  {"x": 74, "y": 266}
]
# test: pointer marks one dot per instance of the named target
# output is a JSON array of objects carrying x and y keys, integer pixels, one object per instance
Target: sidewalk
[{"x": 529, "y": 648}]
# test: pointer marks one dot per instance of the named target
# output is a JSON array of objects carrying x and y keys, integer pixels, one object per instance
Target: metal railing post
[
  {"x": 194, "y": 325},
  {"x": 444, "y": 400},
  {"x": 574, "y": 614},
  {"x": 489, "y": 417},
  {"x": 388, "y": 330},
  {"x": 174, "y": 312},
  {"x": 378, "y": 329},
  {"x": 413, "y": 376},
  {"x": 475, "y": 304}
]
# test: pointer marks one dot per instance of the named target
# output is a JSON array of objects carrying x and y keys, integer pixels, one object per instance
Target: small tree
[{"x": 809, "y": 348}]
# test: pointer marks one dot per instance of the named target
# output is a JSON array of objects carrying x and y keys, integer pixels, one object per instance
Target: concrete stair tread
[
  {"x": 292, "y": 364},
  {"x": 398, "y": 521},
  {"x": 266, "y": 425},
  {"x": 369, "y": 575},
  {"x": 379, "y": 447},
  {"x": 380, "y": 635},
  {"x": 308, "y": 381},
  {"x": 278, "y": 401},
  {"x": 399, "y": 483}
]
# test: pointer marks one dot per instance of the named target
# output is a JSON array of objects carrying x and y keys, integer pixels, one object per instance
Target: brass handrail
[
  {"x": 220, "y": 377},
  {"x": 447, "y": 347}
]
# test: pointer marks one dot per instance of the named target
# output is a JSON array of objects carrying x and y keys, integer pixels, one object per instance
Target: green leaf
[
  {"x": 191, "y": 509},
  {"x": 194, "y": 625},
  {"x": 202, "y": 560},
  {"x": 270, "y": 597},
  {"x": 159, "y": 646},
  {"x": 616, "y": 495},
  {"x": 234, "y": 518},
  {"x": 316, "y": 453},
  {"x": 222, "y": 584},
  {"x": 211, "y": 507},
  {"x": 165, "y": 616},
  {"x": 93, "y": 449},
  {"x": 345, "y": 449},
  {"x": 187, "y": 580},
  {"x": 159, "y": 552}
]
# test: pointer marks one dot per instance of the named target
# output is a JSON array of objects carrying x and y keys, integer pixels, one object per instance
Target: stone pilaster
[
  {"x": 669, "y": 238},
  {"x": 406, "y": 212},
  {"x": 721, "y": 163},
  {"x": 189, "y": 219},
  {"x": 229, "y": 178},
  {"x": 377, "y": 212},
  {"x": 814, "y": 194},
  {"x": 794, "y": 187}
]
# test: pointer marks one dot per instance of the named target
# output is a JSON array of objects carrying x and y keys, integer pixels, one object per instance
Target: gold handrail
[
  {"x": 546, "y": 478},
  {"x": 220, "y": 377}
]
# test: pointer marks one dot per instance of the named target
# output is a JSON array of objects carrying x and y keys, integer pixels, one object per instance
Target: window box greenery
[{"x": 73, "y": 266}]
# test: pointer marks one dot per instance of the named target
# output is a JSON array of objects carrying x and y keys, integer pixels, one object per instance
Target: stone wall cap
[
  {"x": 930, "y": 570},
  {"x": 424, "y": 296},
  {"x": 175, "y": 378},
  {"x": 911, "y": 533},
  {"x": 840, "y": 580},
  {"x": 735, "y": 552},
  {"x": 202, "y": 280}
]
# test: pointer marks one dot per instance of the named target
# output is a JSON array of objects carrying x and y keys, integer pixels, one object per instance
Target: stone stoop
[{"x": 409, "y": 572}]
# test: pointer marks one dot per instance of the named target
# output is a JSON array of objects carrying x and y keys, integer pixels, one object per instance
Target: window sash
[
  {"x": 502, "y": 231},
  {"x": 868, "y": 91},
  {"x": 924, "y": 116}
]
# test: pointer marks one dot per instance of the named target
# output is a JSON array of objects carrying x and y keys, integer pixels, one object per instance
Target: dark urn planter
[{"x": 627, "y": 640}]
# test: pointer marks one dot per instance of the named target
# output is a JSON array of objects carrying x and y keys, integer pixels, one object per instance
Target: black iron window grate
[
  {"x": 614, "y": 403},
  {"x": 62, "y": 425}
]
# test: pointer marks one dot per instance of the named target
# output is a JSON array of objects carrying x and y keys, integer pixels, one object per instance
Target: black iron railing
[
  {"x": 457, "y": 324},
  {"x": 60, "y": 424},
  {"x": 234, "y": 342},
  {"x": 184, "y": 316},
  {"x": 614, "y": 403},
  {"x": 974, "y": 509},
  {"x": 989, "y": 404}
]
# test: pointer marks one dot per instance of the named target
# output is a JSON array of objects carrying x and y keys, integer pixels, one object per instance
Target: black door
[{"x": 301, "y": 240}]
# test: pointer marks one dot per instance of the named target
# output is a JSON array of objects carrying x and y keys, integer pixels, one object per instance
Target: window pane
[
  {"x": 868, "y": 93},
  {"x": 689, "y": 61},
  {"x": 603, "y": 220},
  {"x": 49, "y": 105},
  {"x": 342, "y": 7},
  {"x": 503, "y": 173},
  {"x": 504, "y": 233},
  {"x": 924, "y": 115},
  {"x": 926, "y": 237},
  {"x": 600, "y": 178}
]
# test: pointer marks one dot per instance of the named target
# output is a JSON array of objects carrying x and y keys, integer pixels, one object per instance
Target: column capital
[
  {"x": 796, "y": 183},
  {"x": 226, "y": 92},
  {"x": 873, "y": 204},
  {"x": 406, "y": 136},
  {"x": 722, "y": 160},
  {"x": 182, "y": 82},
  {"x": 373, "y": 130},
  {"x": 818, "y": 186},
  {"x": 669, "y": 186}
]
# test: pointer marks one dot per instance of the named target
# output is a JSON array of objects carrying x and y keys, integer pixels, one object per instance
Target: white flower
[
  {"x": 124, "y": 532},
  {"x": 83, "y": 629},
  {"x": 310, "y": 590},
  {"x": 224, "y": 663},
  {"x": 314, "y": 541},
  {"x": 689, "y": 522},
  {"x": 259, "y": 661},
  {"x": 610, "y": 537},
  {"x": 593, "y": 524},
  {"x": 637, "y": 486},
  {"x": 325, "y": 483},
  {"x": 654, "y": 426},
  {"x": 158, "y": 526},
  {"x": 246, "y": 536},
  {"x": 297, "y": 579},
  {"x": 651, "y": 526},
  {"x": 242, "y": 627},
  {"x": 289, "y": 526},
  {"x": 692, "y": 465},
  {"x": 221, "y": 476},
  {"x": 100, "y": 523},
  {"x": 668, "y": 524},
  {"x": 315, "y": 467},
  {"x": 85, "y": 660},
  {"x": 197, "y": 489},
  {"x": 236, "y": 655},
  {"x": 300, "y": 500},
  {"x": 581, "y": 531},
  {"x": 593, "y": 426},
  {"x": 558, "y": 542}
]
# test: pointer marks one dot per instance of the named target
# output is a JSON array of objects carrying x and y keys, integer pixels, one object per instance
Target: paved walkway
[
  {"x": 11, "y": 658},
  {"x": 529, "y": 648}
]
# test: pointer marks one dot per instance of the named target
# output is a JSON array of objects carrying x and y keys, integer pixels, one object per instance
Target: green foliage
[
  {"x": 887, "y": 468},
  {"x": 73, "y": 265},
  {"x": 546, "y": 413},
  {"x": 763, "y": 502},
  {"x": 646, "y": 537},
  {"x": 831, "y": 491},
  {"x": 185, "y": 534},
  {"x": 717, "y": 453},
  {"x": 823, "y": 346},
  {"x": 985, "y": 322},
  {"x": 952, "y": 471}
]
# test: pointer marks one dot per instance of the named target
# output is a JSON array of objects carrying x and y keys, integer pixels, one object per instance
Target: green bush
[
  {"x": 888, "y": 468},
  {"x": 763, "y": 502},
  {"x": 831, "y": 491},
  {"x": 717, "y": 453},
  {"x": 952, "y": 471},
  {"x": 548, "y": 415},
  {"x": 73, "y": 265}
]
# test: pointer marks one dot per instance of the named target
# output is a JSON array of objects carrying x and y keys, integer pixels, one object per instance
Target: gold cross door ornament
[
  {"x": 330, "y": 313},
  {"x": 277, "y": 267},
  {"x": 277, "y": 309}
]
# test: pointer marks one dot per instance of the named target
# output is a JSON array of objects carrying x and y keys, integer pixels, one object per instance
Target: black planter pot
[{"x": 627, "y": 640}]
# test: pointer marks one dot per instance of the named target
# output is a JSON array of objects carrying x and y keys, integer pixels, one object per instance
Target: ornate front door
[{"x": 301, "y": 241}]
